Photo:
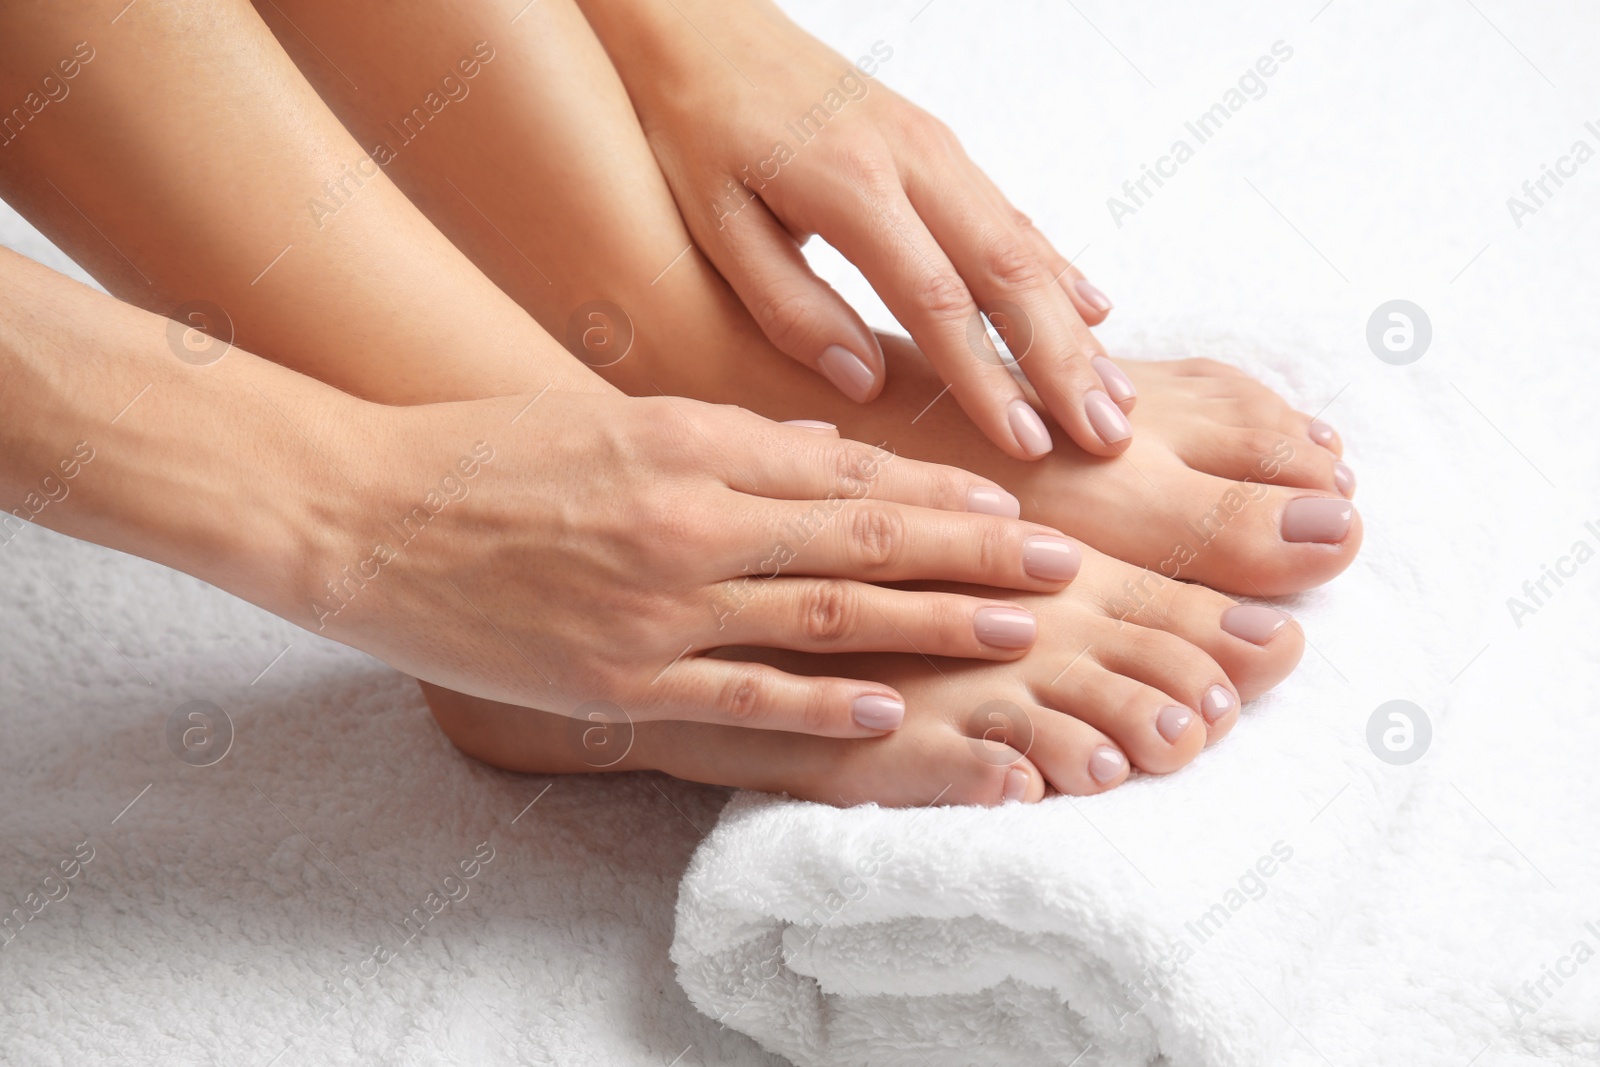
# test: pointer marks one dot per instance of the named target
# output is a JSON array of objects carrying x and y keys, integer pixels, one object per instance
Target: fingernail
[
  {"x": 813, "y": 424},
  {"x": 1345, "y": 479},
  {"x": 1250, "y": 622},
  {"x": 1106, "y": 418},
  {"x": 1322, "y": 433},
  {"x": 1106, "y": 764},
  {"x": 1005, "y": 627},
  {"x": 1051, "y": 559},
  {"x": 878, "y": 712},
  {"x": 1028, "y": 428},
  {"x": 847, "y": 372},
  {"x": 1117, "y": 383},
  {"x": 1092, "y": 295},
  {"x": 1016, "y": 786},
  {"x": 1217, "y": 703},
  {"x": 1317, "y": 518},
  {"x": 1172, "y": 722},
  {"x": 987, "y": 500}
]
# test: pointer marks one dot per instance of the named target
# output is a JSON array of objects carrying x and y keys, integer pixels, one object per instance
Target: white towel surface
[{"x": 1431, "y": 913}]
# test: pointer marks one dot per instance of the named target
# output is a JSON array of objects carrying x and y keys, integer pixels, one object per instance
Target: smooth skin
[{"x": 639, "y": 521}]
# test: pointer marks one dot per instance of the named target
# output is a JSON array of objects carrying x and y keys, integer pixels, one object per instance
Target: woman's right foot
[{"x": 1130, "y": 671}]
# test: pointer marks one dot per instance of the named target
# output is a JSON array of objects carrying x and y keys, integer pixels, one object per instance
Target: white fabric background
[{"x": 208, "y": 920}]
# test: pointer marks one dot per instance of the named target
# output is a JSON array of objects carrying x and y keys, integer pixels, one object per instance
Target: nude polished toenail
[
  {"x": 813, "y": 424},
  {"x": 1092, "y": 295},
  {"x": 878, "y": 713},
  {"x": 1172, "y": 722},
  {"x": 987, "y": 500},
  {"x": 1252, "y": 623},
  {"x": 1322, "y": 433},
  {"x": 1217, "y": 703},
  {"x": 1315, "y": 518},
  {"x": 1106, "y": 418},
  {"x": 1051, "y": 559},
  {"x": 1345, "y": 479},
  {"x": 1106, "y": 764},
  {"x": 1016, "y": 786},
  {"x": 847, "y": 372},
  {"x": 1118, "y": 385},
  {"x": 1005, "y": 627},
  {"x": 1028, "y": 428}
]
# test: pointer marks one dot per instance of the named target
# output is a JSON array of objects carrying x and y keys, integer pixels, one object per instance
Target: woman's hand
[
  {"x": 778, "y": 138},
  {"x": 579, "y": 551}
]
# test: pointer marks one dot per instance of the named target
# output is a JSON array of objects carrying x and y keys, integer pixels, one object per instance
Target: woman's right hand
[{"x": 582, "y": 553}]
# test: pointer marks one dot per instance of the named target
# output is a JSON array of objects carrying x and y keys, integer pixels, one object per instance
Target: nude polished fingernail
[
  {"x": 1106, "y": 418},
  {"x": 1005, "y": 627},
  {"x": 989, "y": 500},
  {"x": 1016, "y": 786},
  {"x": 1322, "y": 433},
  {"x": 878, "y": 712},
  {"x": 1028, "y": 428},
  {"x": 1253, "y": 623},
  {"x": 813, "y": 424},
  {"x": 1092, "y": 295},
  {"x": 1322, "y": 520},
  {"x": 1217, "y": 702},
  {"x": 1117, "y": 384},
  {"x": 1051, "y": 559},
  {"x": 1106, "y": 764},
  {"x": 1345, "y": 479},
  {"x": 1172, "y": 721},
  {"x": 848, "y": 373}
]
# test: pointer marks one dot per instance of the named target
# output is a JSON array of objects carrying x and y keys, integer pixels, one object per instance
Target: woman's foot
[{"x": 1131, "y": 671}]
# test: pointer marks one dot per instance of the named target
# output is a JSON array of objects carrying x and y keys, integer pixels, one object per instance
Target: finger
[
  {"x": 828, "y": 616},
  {"x": 876, "y": 228},
  {"x": 1053, "y": 346},
  {"x": 1093, "y": 305},
  {"x": 800, "y": 313},
  {"x": 876, "y": 541},
  {"x": 769, "y": 459},
  {"x": 754, "y": 695}
]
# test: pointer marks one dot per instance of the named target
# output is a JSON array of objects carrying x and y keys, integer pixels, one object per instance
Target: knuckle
[
  {"x": 943, "y": 295},
  {"x": 1009, "y": 263},
  {"x": 746, "y": 696},
  {"x": 830, "y": 613},
  {"x": 997, "y": 553},
  {"x": 855, "y": 468},
  {"x": 867, "y": 165},
  {"x": 877, "y": 537},
  {"x": 1260, "y": 442},
  {"x": 788, "y": 319},
  {"x": 925, "y": 131}
]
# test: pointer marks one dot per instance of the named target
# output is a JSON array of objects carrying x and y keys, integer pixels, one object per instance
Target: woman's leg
[{"x": 539, "y": 171}]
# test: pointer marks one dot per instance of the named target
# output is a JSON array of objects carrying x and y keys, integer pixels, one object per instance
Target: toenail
[
  {"x": 1173, "y": 721},
  {"x": 1117, "y": 384},
  {"x": 813, "y": 424},
  {"x": 1051, "y": 559},
  {"x": 1317, "y": 518},
  {"x": 1005, "y": 627},
  {"x": 878, "y": 713},
  {"x": 1028, "y": 429},
  {"x": 1250, "y": 622},
  {"x": 1322, "y": 433},
  {"x": 1016, "y": 786},
  {"x": 1106, "y": 764},
  {"x": 1345, "y": 479},
  {"x": 990, "y": 500},
  {"x": 1106, "y": 418},
  {"x": 1217, "y": 703},
  {"x": 847, "y": 371},
  {"x": 1092, "y": 295}
]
